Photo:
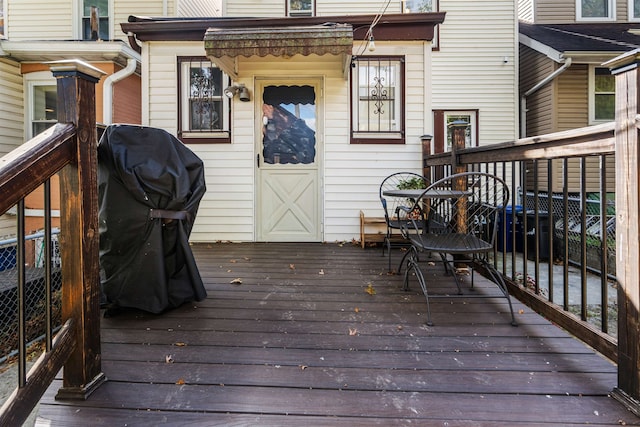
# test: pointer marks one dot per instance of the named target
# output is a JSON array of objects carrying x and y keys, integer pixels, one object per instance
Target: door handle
[{"x": 258, "y": 160}]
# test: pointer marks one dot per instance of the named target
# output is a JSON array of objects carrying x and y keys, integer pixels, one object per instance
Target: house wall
[
  {"x": 11, "y": 106},
  {"x": 208, "y": 8},
  {"x": 37, "y": 20},
  {"x": 469, "y": 70},
  {"x": 525, "y": 10},
  {"x": 351, "y": 173},
  {"x": 127, "y": 100},
  {"x": 268, "y": 8},
  {"x": 564, "y": 11},
  {"x": 53, "y": 19},
  {"x": 541, "y": 113}
]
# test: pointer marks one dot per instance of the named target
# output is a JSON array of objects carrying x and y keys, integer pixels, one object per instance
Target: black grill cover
[{"x": 150, "y": 186}]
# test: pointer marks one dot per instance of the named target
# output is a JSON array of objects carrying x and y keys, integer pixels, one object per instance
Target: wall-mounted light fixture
[{"x": 240, "y": 89}]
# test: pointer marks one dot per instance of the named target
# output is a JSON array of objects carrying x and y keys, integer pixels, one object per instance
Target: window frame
[
  {"x": 441, "y": 142},
  {"x": 378, "y": 137},
  {"x": 630, "y": 9},
  {"x": 3, "y": 19},
  {"x": 288, "y": 12},
  {"x": 611, "y": 4},
  {"x": 185, "y": 134},
  {"x": 403, "y": 6},
  {"x": 78, "y": 20},
  {"x": 31, "y": 82},
  {"x": 593, "y": 94}
]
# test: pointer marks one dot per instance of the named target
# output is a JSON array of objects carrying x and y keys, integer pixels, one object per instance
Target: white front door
[{"x": 288, "y": 155}]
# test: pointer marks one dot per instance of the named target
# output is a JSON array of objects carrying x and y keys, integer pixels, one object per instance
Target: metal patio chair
[
  {"x": 391, "y": 205},
  {"x": 459, "y": 222}
]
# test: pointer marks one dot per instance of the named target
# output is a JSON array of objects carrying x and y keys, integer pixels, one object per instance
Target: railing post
[
  {"x": 79, "y": 238},
  {"x": 625, "y": 69},
  {"x": 426, "y": 152}
]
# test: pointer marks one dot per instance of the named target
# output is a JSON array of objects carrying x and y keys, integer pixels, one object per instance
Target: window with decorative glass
[
  {"x": 95, "y": 19},
  {"x": 595, "y": 10},
  {"x": 603, "y": 95},
  {"x": 300, "y": 7},
  {"x": 377, "y": 99},
  {"x": 203, "y": 110},
  {"x": 419, "y": 6}
]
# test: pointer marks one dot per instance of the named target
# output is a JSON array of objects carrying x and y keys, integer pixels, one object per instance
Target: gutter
[
  {"x": 107, "y": 97},
  {"x": 537, "y": 87}
]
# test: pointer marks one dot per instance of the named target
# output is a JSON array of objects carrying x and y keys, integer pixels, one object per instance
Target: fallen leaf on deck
[
  {"x": 431, "y": 263},
  {"x": 233, "y": 261},
  {"x": 321, "y": 272},
  {"x": 357, "y": 310},
  {"x": 521, "y": 311},
  {"x": 303, "y": 367},
  {"x": 353, "y": 331},
  {"x": 180, "y": 382},
  {"x": 180, "y": 344},
  {"x": 168, "y": 358},
  {"x": 370, "y": 289},
  {"x": 236, "y": 281},
  {"x": 292, "y": 266}
]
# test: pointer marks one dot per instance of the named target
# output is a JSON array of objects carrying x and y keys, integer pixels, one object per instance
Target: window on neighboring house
[
  {"x": 95, "y": 19},
  {"x": 634, "y": 10},
  {"x": 204, "y": 111},
  {"x": 603, "y": 95},
  {"x": 419, "y": 6},
  {"x": 377, "y": 100},
  {"x": 2, "y": 19},
  {"x": 595, "y": 10},
  {"x": 41, "y": 98},
  {"x": 300, "y": 7},
  {"x": 443, "y": 132}
]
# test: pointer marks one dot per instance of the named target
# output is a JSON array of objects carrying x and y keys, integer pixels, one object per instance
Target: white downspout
[
  {"x": 538, "y": 86},
  {"x": 107, "y": 97}
]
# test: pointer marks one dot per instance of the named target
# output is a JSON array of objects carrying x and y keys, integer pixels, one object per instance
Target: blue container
[
  {"x": 7, "y": 258},
  {"x": 510, "y": 216}
]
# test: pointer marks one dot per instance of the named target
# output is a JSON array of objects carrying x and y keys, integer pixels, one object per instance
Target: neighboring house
[
  {"x": 324, "y": 100},
  {"x": 34, "y": 33},
  {"x": 563, "y": 85}
]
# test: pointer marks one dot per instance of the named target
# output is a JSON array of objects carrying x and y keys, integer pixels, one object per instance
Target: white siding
[
  {"x": 38, "y": 20},
  {"x": 469, "y": 70},
  {"x": 351, "y": 173},
  {"x": 124, "y": 8},
  {"x": 11, "y": 107},
  {"x": 199, "y": 8},
  {"x": 525, "y": 10},
  {"x": 323, "y": 8}
]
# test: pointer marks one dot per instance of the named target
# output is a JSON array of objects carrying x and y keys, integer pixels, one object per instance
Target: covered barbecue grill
[{"x": 150, "y": 186}]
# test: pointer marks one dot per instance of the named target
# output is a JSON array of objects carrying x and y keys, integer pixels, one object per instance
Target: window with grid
[
  {"x": 300, "y": 7},
  {"x": 377, "y": 99},
  {"x": 204, "y": 111},
  {"x": 95, "y": 19},
  {"x": 595, "y": 10},
  {"x": 603, "y": 94}
]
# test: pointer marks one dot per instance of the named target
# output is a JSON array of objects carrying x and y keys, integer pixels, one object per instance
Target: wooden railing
[
  {"x": 67, "y": 149},
  {"x": 518, "y": 162}
]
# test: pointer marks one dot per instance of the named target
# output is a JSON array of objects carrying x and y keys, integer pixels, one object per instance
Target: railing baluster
[
  {"x": 47, "y": 265},
  {"x": 604, "y": 247},
  {"x": 583, "y": 238},
  {"x": 565, "y": 233},
  {"x": 20, "y": 263}
]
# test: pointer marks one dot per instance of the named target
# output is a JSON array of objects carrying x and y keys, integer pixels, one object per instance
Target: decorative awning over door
[{"x": 224, "y": 45}]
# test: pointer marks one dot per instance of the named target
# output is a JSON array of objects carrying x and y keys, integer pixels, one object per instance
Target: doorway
[{"x": 288, "y": 161}]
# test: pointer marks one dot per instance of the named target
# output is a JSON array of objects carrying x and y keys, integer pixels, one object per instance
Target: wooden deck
[{"x": 300, "y": 342}]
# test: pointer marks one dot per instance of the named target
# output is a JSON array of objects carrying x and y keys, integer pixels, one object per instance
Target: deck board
[{"x": 300, "y": 342}]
